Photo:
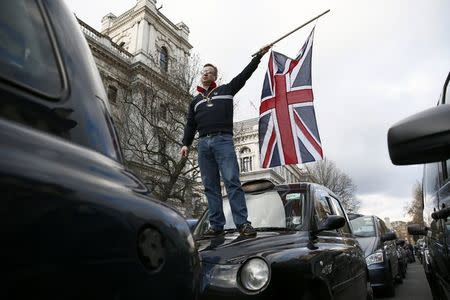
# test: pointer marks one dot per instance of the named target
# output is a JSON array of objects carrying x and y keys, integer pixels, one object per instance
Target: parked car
[
  {"x": 304, "y": 248},
  {"x": 380, "y": 251},
  {"x": 75, "y": 223},
  {"x": 410, "y": 252},
  {"x": 424, "y": 138},
  {"x": 420, "y": 245},
  {"x": 402, "y": 257}
]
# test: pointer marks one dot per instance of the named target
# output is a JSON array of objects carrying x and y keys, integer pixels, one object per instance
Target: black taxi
[
  {"x": 75, "y": 223},
  {"x": 304, "y": 248}
]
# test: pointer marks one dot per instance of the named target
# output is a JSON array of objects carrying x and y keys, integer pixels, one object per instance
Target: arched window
[
  {"x": 246, "y": 164},
  {"x": 245, "y": 150},
  {"x": 164, "y": 59}
]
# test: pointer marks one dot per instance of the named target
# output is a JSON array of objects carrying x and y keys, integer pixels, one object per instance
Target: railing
[{"x": 104, "y": 40}]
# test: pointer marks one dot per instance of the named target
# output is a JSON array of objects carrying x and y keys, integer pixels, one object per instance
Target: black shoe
[
  {"x": 246, "y": 229},
  {"x": 211, "y": 232}
]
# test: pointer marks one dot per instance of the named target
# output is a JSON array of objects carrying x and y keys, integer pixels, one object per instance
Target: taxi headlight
[
  {"x": 254, "y": 274},
  {"x": 375, "y": 258}
]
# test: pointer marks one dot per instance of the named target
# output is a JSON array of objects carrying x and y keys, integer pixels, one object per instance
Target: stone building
[
  {"x": 139, "y": 45},
  {"x": 142, "y": 51}
]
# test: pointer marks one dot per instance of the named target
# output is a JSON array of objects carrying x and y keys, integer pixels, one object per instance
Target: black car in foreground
[
  {"x": 304, "y": 248},
  {"x": 424, "y": 138},
  {"x": 74, "y": 222},
  {"x": 380, "y": 251}
]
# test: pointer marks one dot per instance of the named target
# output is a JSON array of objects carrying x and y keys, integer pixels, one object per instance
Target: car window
[
  {"x": 363, "y": 226},
  {"x": 293, "y": 208},
  {"x": 322, "y": 206},
  {"x": 340, "y": 212},
  {"x": 447, "y": 166},
  {"x": 430, "y": 180},
  {"x": 381, "y": 230},
  {"x": 383, "y": 227},
  {"x": 270, "y": 209},
  {"x": 26, "y": 54}
]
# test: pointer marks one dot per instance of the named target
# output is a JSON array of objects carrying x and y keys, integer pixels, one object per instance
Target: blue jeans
[{"x": 216, "y": 156}]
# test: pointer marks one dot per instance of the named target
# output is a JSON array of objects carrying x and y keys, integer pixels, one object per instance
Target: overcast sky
[{"x": 374, "y": 63}]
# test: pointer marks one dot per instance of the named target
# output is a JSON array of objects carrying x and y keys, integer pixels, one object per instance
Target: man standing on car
[{"x": 211, "y": 114}]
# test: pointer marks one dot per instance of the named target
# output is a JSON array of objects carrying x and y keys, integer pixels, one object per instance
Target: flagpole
[{"x": 291, "y": 32}]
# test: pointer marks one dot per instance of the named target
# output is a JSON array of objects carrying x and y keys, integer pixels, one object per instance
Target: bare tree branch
[
  {"x": 151, "y": 124},
  {"x": 415, "y": 208},
  {"x": 326, "y": 173}
]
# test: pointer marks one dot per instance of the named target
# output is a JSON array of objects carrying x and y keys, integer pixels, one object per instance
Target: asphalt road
[{"x": 415, "y": 285}]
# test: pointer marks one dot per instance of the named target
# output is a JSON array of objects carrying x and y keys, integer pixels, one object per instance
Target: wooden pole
[{"x": 291, "y": 32}]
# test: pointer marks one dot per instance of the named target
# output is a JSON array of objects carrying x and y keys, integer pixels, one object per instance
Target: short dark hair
[{"x": 212, "y": 66}]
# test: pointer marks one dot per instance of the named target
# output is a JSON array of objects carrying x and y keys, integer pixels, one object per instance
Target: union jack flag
[{"x": 288, "y": 132}]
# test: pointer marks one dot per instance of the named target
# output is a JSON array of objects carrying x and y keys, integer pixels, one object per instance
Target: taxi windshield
[
  {"x": 363, "y": 227},
  {"x": 269, "y": 210}
]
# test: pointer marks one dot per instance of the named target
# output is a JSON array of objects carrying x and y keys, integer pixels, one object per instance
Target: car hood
[
  {"x": 233, "y": 248},
  {"x": 368, "y": 244}
]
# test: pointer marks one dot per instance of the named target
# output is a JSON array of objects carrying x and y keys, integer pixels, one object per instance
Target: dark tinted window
[
  {"x": 164, "y": 59},
  {"x": 447, "y": 100},
  {"x": 26, "y": 54},
  {"x": 447, "y": 164}
]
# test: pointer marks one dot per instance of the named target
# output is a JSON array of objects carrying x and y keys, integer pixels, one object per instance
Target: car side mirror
[
  {"x": 416, "y": 229},
  {"x": 421, "y": 138},
  {"x": 441, "y": 214},
  {"x": 388, "y": 236},
  {"x": 330, "y": 223}
]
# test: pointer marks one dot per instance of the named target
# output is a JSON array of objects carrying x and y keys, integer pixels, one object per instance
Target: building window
[
  {"x": 163, "y": 111},
  {"x": 245, "y": 150},
  {"x": 245, "y": 159},
  {"x": 112, "y": 93},
  {"x": 164, "y": 59},
  {"x": 246, "y": 164}
]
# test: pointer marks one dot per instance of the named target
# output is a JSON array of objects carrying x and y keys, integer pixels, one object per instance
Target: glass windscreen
[
  {"x": 363, "y": 227},
  {"x": 268, "y": 210}
]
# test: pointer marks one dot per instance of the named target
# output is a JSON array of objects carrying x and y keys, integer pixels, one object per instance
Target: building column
[
  {"x": 152, "y": 40},
  {"x": 134, "y": 38},
  {"x": 142, "y": 36}
]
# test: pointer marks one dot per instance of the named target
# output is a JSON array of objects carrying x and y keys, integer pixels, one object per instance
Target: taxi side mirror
[
  {"x": 421, "y": 138},
  {"x": 416, "y": 229},
  {"x": 388, "y": 236},
  {"x": 330, "y": 223}
]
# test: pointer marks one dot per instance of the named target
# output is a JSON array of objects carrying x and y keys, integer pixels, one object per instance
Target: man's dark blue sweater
[{"x": 218, "y": 117}]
